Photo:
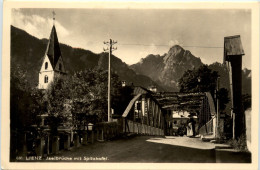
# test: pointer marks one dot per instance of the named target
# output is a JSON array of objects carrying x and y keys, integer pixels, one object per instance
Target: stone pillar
[
  {"x": 97, "y": 135},
  {"x": 48, "y": 144},
  {"x": 55, "y": 145},
  {"x": 39, "y": 147},
  {"x": 76, "y": 140},
  {"x": 112, "y": 132},
  {"x": 67, "y": 142},
  {"x": 24, "y": 147},
  {"x": 101, "y": 135},
  {"x": 91, "y": 137},
  {"x": 85, "y": 138},
  {"x": 149, "y": 130}
]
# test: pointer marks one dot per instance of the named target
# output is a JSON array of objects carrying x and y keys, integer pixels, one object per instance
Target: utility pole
[
  {"x": 110, "y": 48},
  {"x": 217, "y": 108}
]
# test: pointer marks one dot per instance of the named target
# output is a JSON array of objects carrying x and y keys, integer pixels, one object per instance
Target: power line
[{"x": 187, "y": 46}]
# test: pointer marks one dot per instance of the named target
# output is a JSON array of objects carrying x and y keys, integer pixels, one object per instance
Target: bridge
[
  {"x": 152, "y": 113},
  {"x": 148, "y": 113}
]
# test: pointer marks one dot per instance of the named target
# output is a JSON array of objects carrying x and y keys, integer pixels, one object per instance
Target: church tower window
[
  {"x": 46, "y": 79},
  {"x": 60, "y": 66},
  {"x": 46, "y": 65}
]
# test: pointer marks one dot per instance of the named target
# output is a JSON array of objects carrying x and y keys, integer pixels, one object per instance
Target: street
[{"x": 151, "y": 149}]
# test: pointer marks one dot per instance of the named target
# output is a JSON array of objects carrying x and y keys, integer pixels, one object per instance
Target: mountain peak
[
  {"x": 176, "y": 47},
  {"x": 167, "y": 69},
  {"x": 175, "y": 50},
  {"x": 178, "y": 55}
]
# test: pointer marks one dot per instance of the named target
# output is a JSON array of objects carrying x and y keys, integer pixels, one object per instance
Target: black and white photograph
[{"x": 134, "y": 83}]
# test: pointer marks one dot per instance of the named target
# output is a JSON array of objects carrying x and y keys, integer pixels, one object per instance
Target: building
[{"x": 52, "y": 63}]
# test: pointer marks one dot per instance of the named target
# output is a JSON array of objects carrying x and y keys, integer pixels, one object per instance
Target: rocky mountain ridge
[
  {"x": 168, "y": 68},
  {"x": 162, "y": 71}
]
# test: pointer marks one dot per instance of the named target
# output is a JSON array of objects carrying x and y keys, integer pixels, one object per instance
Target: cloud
[
  {"x": 146, "y": 50},
  {"x": 36, "y": 25},
  {"x": 173, "y": 42}
]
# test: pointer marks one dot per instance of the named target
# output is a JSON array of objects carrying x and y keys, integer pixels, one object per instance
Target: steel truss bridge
[{"x": 151, "y": 113}]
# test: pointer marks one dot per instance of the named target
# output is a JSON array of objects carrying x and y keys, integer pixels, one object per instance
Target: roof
[
  {"x": 53, "y": 49},
  {"x": 232, "y": 46}
]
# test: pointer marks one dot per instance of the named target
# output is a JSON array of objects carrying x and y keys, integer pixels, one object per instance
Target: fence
[{"x": 47, "y": 144}]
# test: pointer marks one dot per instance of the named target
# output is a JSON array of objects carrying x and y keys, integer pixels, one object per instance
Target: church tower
[{"x": 52, "y": 65}]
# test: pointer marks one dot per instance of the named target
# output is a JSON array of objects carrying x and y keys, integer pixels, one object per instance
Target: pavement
[{"x": 153, "y": 149}]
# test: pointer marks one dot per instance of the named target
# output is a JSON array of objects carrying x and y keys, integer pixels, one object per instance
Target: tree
[
  {"x": 56, "y": 102},
  {"x": 198, "y": 80},
  {"x": 88, "y": 95},
  {"x": 121, "y": 99},
  {"x": 25, "y": 101},
  {"x": 25, "y": 105},
  {"x": 81, "y": 98},
  {"x": 203, "y": 79},
  {"x": 223, "y": 98}
]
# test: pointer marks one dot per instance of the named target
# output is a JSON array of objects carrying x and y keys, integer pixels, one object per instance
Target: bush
[{"x": 239, "y": 144}]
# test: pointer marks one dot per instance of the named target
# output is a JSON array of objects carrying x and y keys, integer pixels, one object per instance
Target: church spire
[
  {"x": 52, "y": 65},
  {"x": 53, "y": 49}
]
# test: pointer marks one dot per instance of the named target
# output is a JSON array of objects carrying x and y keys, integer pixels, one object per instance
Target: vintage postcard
[{"x": 130, "y": 85}]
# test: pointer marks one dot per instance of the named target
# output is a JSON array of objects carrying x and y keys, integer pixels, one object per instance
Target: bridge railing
[
  {"x": 208, "y": 115},
  {"x": 208, "y": 128},
  {"x": 139, "y": 128},
  {"x": 143, "y": 116}
]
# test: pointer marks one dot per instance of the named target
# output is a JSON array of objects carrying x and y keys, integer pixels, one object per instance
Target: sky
[{"x": 140, "y": 32}]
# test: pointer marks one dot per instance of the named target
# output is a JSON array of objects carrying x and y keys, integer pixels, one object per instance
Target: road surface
[{"x": 150, "y": 149}]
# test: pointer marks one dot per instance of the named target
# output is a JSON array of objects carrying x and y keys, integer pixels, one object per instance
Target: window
[
  {"x": 46, "y": 65},
  {"x": 60, "y": 66},
  {"x": 46, "y": 79}
]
